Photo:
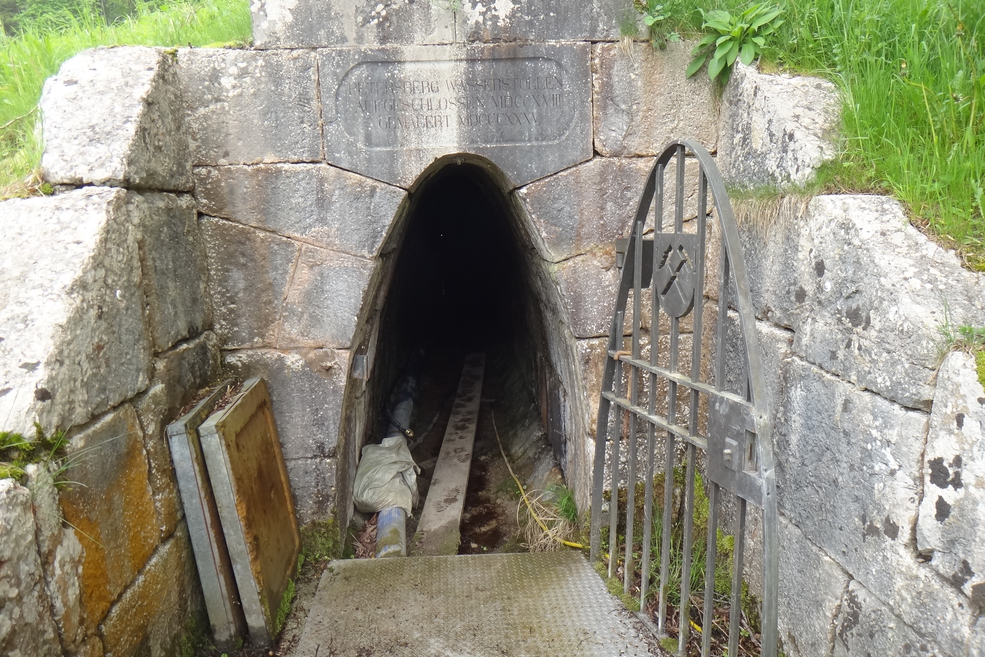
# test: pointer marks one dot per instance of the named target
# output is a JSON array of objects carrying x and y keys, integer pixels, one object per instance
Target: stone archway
[{"x": 460, "y": 269}]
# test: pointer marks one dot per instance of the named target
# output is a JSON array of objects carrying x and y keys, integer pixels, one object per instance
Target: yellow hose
[{"x": 530, "y": 508}]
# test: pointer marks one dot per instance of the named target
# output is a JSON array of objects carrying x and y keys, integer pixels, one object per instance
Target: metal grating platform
[{"x": 522, "y": 605}]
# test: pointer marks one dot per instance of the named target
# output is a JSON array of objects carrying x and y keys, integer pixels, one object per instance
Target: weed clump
[{"x": 17, "y": 451}]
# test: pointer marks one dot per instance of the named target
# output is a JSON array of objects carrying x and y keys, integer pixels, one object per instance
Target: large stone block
[
  {"x": 571, "y": 215},
  {"x": 313, "y": 486},
  {"x": 61, "y": 555},
  {"x": 861, "y": 455},
  {"x": 306, "y": 389},
  {"x": 539, "y": 20},
  {"x": 280, "y": 24},
  {"x": 72, "y": 336},
  {"x": 114, "y": 116},
  {"x": 151, "y": 615},
  {"x": 591, "y": 365},
  {"x": 811, "y": 587},
  {"x": 952, "y": 513},
  {"x": 324, "y": 299},
  {"x": 178, "y": 374},
  {"x": 305, "y": 24},
  {"x": 866, "y": 626},
  {"x": 976, "y": 642},
  {"x": 318, "y": 204},
  {"x": 186, "y": 369},
  {"x": 776, "y": 129},
  {"x": 769, "y": 248},
  {"x": 873, "y": 294},
  {"x": 248, "y": 106},
  {"x": 588, "y": 286},
  {"x": 26, "y": 627},
  {"x": 849, "y": 475},
  {"x": 172, "y": 257},
  {"x": 111, "y": 506},
  {"x": 641, "y": 100},
  {"x": 390, "y": 112},
  {"x": 62, "y": 579},
  {"x": 249, "y": 271}
]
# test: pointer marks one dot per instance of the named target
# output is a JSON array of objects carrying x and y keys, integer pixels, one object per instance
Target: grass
[
  {"x": 969, "y": 339},
  {"x": 721, "y": 578},
  {"x": 912, "y": 78},
  {"x": 29, "y": 58},
  {"x": 17, "y": 452}
]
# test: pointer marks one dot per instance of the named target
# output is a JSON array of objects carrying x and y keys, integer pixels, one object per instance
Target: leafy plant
[
  {"x": 654, "y": 15},
  {"x": 741, "y": 37}
]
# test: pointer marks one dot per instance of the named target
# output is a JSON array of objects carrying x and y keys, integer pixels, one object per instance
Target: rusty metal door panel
[
  {"x": 684, "y": 403},
  {"x": 246, "y": 467}
]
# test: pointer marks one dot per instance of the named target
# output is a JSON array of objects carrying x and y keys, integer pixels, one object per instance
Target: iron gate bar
[{"x": 737, "y": 442}]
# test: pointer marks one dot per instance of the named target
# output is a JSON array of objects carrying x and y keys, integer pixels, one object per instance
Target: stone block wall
[
  {"x": 105, "y": 334},
  {"x": 877, "y": 443},
  {"x": 264, "y": 244}
]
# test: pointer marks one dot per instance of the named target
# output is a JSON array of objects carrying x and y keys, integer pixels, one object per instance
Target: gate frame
[{"x": 739, "y": 434}]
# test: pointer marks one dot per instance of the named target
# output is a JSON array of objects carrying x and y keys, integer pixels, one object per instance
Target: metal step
[
  {"x": 524, "y": 605},
  {"x": 438, "y": 531}
]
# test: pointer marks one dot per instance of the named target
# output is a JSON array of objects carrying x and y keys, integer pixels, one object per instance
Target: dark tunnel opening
[
  {"x": 459, "y": 283},
  {"x": 462, "y": 283}
]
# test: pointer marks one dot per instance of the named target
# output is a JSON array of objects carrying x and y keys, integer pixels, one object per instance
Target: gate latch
[{"x": 732, "y": 450}]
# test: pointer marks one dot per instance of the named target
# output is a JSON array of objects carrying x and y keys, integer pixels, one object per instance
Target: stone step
[
  {"x": 548, "y": 604},
  {"x": 438, "y": 531}
]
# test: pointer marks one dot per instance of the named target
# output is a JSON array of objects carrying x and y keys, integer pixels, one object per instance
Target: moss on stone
[
  {"x": 285, "y": 607},
  {"x": 18, "y": 451},
  {"x": 320, "y": 541}
]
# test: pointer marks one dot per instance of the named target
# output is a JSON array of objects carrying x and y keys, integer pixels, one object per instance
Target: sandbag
[{"x": 386, "y": 477}]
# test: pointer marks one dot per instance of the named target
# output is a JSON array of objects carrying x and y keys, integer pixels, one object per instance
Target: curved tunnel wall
[{"x": 461, "y": 273}]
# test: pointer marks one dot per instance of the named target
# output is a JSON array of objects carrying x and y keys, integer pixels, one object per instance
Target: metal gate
[{"x": 695, "y": 409}]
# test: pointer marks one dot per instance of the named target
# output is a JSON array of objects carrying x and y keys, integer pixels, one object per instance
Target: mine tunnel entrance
[{"x": 461, "y": 284}]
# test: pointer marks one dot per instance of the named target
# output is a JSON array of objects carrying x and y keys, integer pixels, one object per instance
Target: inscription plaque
[
  {"x": 508, "y": 101},
  {"x": 390, "y": 112}
]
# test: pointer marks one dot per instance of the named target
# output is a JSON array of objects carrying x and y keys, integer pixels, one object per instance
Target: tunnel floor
[{"x": 489, "y": 519}]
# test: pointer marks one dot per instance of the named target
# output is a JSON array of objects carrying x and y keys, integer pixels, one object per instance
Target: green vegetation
[
  {"x": 912, "y": 78},
  {"x": 721, "y": 578},
  {"x": 320, "y": 541},
  {"x": 564, "y": 502},
  {"x": 44, "y": 41},
  {"x": 741, "y": 37},
  {"x": 17, "y": 451},
  {"x": 969, "y": 339},
  {"x": 195, "y": 639},
  {"x": 285, "y": 607}
]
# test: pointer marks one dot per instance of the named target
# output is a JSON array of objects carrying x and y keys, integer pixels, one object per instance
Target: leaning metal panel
[{"x": 683, "y": 393}]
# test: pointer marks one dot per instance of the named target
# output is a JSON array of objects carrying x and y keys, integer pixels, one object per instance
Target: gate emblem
[{"x": 675, "y": 276}]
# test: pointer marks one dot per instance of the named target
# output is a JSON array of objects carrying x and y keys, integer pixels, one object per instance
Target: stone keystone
[{"x": 114, "y": 116}]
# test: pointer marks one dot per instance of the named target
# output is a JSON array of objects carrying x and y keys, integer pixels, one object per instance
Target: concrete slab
[
  {"x": 524, "y": 605},
  {"x": 438, "y": 531}
]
